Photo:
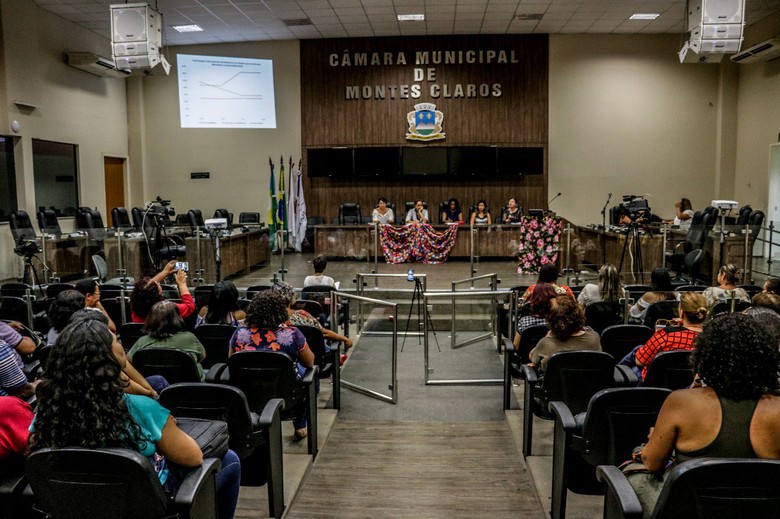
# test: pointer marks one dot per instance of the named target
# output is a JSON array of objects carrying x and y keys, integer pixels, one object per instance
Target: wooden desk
[
  {"x": 597, "y": 247},
  {"x": 135, "y": 258},
  {"x": 67, "y": 258},
  {"x": 239, "y": 252}
]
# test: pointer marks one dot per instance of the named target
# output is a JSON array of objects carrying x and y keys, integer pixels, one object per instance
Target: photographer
[{"x": 148, "y": 291}]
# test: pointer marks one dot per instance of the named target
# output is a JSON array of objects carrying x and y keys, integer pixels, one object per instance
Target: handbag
[
  {"x": 211, "y": 435},
  {"x": 646, "y": 484}
]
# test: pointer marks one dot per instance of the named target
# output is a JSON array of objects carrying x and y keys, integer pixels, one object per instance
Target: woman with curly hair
[
  {"x": 302, "y": 317},
  {"x": 148, "y": 290},
  {"x": 609, "y": 288},
  {"x": 732, "y": 413},
  {"x": 567, "y": 332},
  {"x": 266, "y": 329},
  {"x": 81, "y": 403}
]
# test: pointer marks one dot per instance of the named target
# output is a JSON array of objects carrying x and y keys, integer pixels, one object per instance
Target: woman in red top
[
  {"x": 15, "y": 418},
  {"x": 148, "y": 291},
  {"x": 693, "y": 311}
]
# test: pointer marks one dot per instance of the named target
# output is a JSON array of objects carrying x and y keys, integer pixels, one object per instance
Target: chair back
[
  {"x": 113, "y": 308},
  {"x": 670, "y": 369},
  {"x": 201, "y": 295},
  {"x": 620, "y": 339},
  {"x": 254, "y": 289},
  {"x": 215, "y": 339},
  {"x": 53, "y": 289},
  {"x": 720, "y": 487},
  {"x": 14, "y": 309},
  {"x": 248, "y": 217},
  {"x": 691, "y": 265},
  {"x": 755, "y": 222},
  {"x": 689, "y": 288},
  {"x": 263, "y": 375},
  {"x": 129, "y": 333},
  {"x": 224, "y": 213},
  {"x": 668, "y": 309},
  {"x": 573, "y": 377},
  {"x": 120, "y": 219},
  {"x": 697, "y": 232},
  {"x": 138, "y": 217},
  {"x": 442, "y": 208},
  {"x": 349, "y": 213},
  {"x": 195, "y": 217},
  {"x": 72, "y": 483},
  {"x": 530, "y": 337},
  {"x": 751, "y": 289},
  {"x": 725, "y": 307},
  {"x": 312, "y": 307},
  {"x": 601, "y": 314},
  {"x": 316, "y": 343},
  {"x": 15, "y": 289},
  {"x": 175, "y": 365},
  {"x": 637, "y": 291},
  {"x": 21, "y": 225},
  {"x": 48, "y": 223},
  {"x": 744, "y": 215}
]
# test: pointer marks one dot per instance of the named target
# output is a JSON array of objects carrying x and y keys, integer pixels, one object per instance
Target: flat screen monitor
[
  {"x": 378, "y": 162},
  {"x": 473, "y": 162},
  {"x": 424, "y": 162},
  {"x": 517, "y": 162},
  {"x": 330, "y": 162}
]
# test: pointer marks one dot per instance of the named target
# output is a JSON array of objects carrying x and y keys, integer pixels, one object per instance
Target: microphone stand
[
  {"x": 604, "y": 212},
  {"x": 551, "y": 201}
]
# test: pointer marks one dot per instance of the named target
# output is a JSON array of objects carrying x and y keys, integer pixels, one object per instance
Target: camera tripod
[
  {"x": 633, "y": 244},
  {"x": 421, "y": 307},
  {"x": 29, "y": 273}
]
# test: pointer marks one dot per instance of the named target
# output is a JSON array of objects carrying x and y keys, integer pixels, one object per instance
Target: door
[{"x": 114, "y": 170}]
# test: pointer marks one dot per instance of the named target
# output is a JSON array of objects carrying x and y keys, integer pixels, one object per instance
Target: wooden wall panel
[{"x": 518, "y": 117}]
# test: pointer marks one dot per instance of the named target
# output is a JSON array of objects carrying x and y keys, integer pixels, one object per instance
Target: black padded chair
[
  {"x": 349, "y": 213},
  {"x": 714, "y": 217},
  {"x": 14, "y": 309},
  {"x": 616, "y": 421},
  {"x": 670, "y": 369},
  {"x": 442, "y": 207},
  {"x": 175, "y": 365},
  {"x": 694, "y": 239},
  {"x": 729, "y": 306},
  {"x": 201, "y": 295},
  {"x": 661, "y": 310},
  {"x": 129, "y": 333},
  {"x": 637, "y": 291},
  {"x": 120, "y": 219},
  {"x": 254, "y": 289},
  {"x": 265, "y": 375},
  {"x": 16, "y": 289},
  {"x": 602, "y": 314},
  {"x": 751, "y": 289},
  {"x": 53, "y": 289},
  {"x": 755, "y": 222},
  {"x": 113, "y": 307},
  {"x": 311, "y": 223},
  {"x": 21, "y": 225},
  {"x": 91, "y": 221},
  {"x": 227, "y": 215},
  {"x": 138, "y": 217},
  {"x": 572, "y": 377},
  {"x": 408, "y": 206},
  {"x": 48, "y": 222},
  {"x": 744, "y": 215},
  {"x": 691, "y": 267},
  {"x": 195, "y": 217},
  {"x": 620, "y": 339},
  {"x": 13, "y": 505},
  {"x": 690, "y": 288},
  {"x": 71, "y": 483},
  {"x": 248, "y": 218},
  {"x": 327, "y": 362},
  {"x": 215, "y": 339},
  {"x": 726, "y": 488},
  {"x": 255, "y": 438}
]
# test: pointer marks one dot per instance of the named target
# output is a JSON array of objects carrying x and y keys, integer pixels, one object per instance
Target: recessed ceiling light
[
  {"x": 644, "y": 16},
  {"x": 411, "y": 17},
  {"x": 187, "y": 28}
]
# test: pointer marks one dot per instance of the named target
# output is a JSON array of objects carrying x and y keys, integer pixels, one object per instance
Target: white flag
[
  {"x": 300, "y": 211},
  {"x": 292, "y": 215}
]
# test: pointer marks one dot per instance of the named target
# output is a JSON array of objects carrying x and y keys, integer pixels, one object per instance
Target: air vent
[
  {"x": 530, "y": 16},
  {"x": 297, "y": 22},
  {"x": 94, "y": 64},
  {"x": 763, "y": 51}
]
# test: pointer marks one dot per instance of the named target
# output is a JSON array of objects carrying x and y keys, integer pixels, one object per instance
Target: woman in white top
[
  {"x": 417, "y": 213},
  {"x": 481, "y": 216},
  {"x": 684, "y": 214},
  {"x": 728, "y": 278},
  {"x": 319, "y": 263},
  {"x": 608, "y": 288},
  {"x": 382, "y": 214}
]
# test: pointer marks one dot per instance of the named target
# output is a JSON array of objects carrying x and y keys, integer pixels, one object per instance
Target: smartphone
[{"x": 182, "y": 265}]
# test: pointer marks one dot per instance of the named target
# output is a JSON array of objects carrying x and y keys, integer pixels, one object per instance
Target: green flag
[{"x": 272, "y": 209}]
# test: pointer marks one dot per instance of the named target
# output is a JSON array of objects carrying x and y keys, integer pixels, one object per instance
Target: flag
[
  {"x": 280, "y": 197},
  {"x": 272, "y": 209},
  {"x": 291, "y": 211},
  {"x": 300, "y": 210}
]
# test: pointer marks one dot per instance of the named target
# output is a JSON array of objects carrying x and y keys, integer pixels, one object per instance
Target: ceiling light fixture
[
  {"x": 187, "y": 28},
  {"x": 411, "y": 17},
  {"x": 644, "y": 16}
]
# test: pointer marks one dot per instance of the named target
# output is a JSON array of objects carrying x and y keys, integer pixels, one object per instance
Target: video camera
[
  {"x": 636, "y": 207},
  {"x": 26, "y": 249},
  {"x": 161, "y": 208}
]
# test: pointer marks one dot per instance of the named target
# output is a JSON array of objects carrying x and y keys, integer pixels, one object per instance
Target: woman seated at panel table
[
  {"x": 418, "y": 213},
  {"x": 452, "y": 213},
  {"x": 481, "y": 216},
  {"x": 513, "y": 212},
  {"x": 382, "y": 214}
]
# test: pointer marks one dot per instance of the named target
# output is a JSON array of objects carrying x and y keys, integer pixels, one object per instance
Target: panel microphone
[{"x": 551, "y": 200}]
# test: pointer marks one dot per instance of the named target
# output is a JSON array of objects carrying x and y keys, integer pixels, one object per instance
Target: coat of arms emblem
[{"x": 425, "y": 123}]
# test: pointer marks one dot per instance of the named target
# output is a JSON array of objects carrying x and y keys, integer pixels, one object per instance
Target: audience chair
[
  {"x": 326, "y": 361},
  {"x": 254, "y": 289},
  {"x": 48, "y": 223},
  {"x": 661, "y": 310},
  {"x": 215, "y": 339},
  {"x": 751, "y": 289},
  {"x": 21, "y": 225},
  {"x": 113, "y": 307},
  {"x": 255, "y": 438},
  {"x": 620, "y": 339},
  {"x": 349, "y": 213},
  {"x": 120, "y": 219},
  {"x": 12, "y": 486},
  {"x": 201, "y": 295},
  {"x": 312, "y": 307},
  {"x": 129, "y": 333},
  {"x": 670, "y": 369},
  {"x": 602, "y": 314},
  {"x": 72, "y": 482},
  {"x": 16, "y": 289},
  {"x": 729, "y": 306},
  {"x": 248, "y": 218},
  {"x": 53, "y": 289},
  {"x": 637, "y": 291},
  {"x": 726, "y": 488},
  {"x": 14, "y": 309},
  {"x": 616, "y": 421},
  {"x": 690, "y": 288},
  {"x": 174, "y": 365},
  {"x": 243, "y": 303},
  {"x": 265, "y": 375},
  {"x": 572, "y": 377},
  {"x": 321, "y": 294}
]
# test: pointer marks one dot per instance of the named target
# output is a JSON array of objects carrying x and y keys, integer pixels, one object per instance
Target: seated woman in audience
[
  {"x": 767, "y": 300},
  {"x": 728, "y": 279},
  {"x": 83, "y": 364},
  {"x": 266, "y": 329},
  {"x": 60, "y": 310},
  {"x": 609, "y": 287},
  {"x": 319, "y": 263},
  {"x": 731, "y": 412},
  {"x": 90, "y": 289},
  {"x": 548, "y": 274},
  {"x": 772, "y": 284},
  {"x": 164, "y": 328},
  {"x": 538, "y": 305},
  {"x": 381, "y": 213},
  {"x": 418, "y": 213},
  {"x": 147, "y": 291},
  {"x": 693, "y": 312},
  {"x": 513, "y": 212},
  {"x": 15, "y": 418},
  {"x": 12, "y": 378},
  {"x": 566, "y": 321},
  {"x": 222, "y": 307},
  {"x": 767, "y": 318},
  {"x": 481, "y": 216},
  {"x": 661, "y": 282},
  {"x": 452, "y": 213},
  {"x": 302, "y": 317}
]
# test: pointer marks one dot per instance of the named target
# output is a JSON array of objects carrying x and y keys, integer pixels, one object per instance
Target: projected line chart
[{"x": 225, "y": 92}]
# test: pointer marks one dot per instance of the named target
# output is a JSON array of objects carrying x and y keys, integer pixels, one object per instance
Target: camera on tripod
[
  {"x": 635, "y": 207},
  {"x": 160, "y": 210},
  {"x": 26, "y": 249}
]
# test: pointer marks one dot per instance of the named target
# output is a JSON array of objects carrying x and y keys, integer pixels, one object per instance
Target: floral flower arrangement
[{"x": 539, "y": 242}]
